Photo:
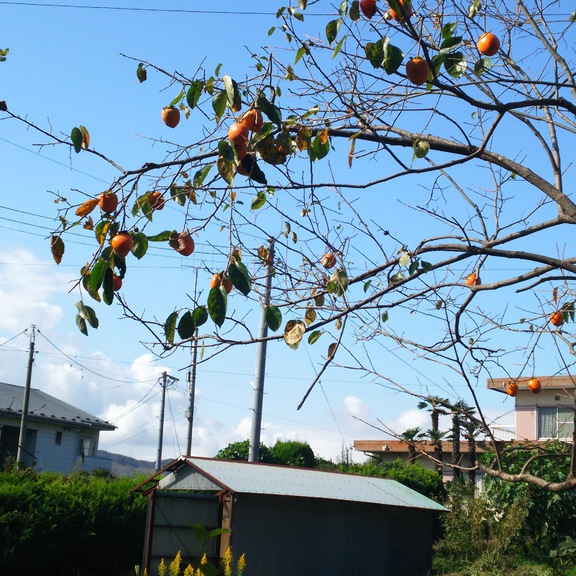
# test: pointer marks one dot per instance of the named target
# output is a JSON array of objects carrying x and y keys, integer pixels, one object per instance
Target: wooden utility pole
[
  {"x": 25, "y": 404},
  {"x": 254, "y": 453}
]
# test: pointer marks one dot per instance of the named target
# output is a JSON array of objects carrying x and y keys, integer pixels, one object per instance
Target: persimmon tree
[{"x": 389, "y": 204}]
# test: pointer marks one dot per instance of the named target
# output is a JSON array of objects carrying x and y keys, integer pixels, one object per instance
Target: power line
[{"x": 154, "y": 10}]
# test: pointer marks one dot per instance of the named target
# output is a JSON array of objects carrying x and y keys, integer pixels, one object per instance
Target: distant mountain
[{"x": 127, "y": 466}]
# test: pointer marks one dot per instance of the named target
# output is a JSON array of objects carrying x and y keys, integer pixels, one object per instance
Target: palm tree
[
  {"x": 462, "y": 415},
  {"x": 470, "y": 432},
  {"x": 411, "y": 436},
  {"x": 436, "y": 405}
]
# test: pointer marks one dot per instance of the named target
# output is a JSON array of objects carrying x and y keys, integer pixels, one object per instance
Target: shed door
[{"x": 173, "y": 516}]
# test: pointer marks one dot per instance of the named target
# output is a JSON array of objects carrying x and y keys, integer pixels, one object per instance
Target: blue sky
[{"x": 64, "y": 69}]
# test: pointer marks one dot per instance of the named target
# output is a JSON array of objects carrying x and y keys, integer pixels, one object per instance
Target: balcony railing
[{"x": 503, "y": 432}]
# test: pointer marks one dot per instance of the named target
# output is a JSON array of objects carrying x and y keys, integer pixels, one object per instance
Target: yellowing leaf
[
  {"x": 310, "y": 316},
  {"x": 293, "y": 333},
  {"x": 85, "y": 137},
  {"x": 87, "y": 207},
  {"x": 323, "y": 136},
  {"x": 57, "y": 248}
]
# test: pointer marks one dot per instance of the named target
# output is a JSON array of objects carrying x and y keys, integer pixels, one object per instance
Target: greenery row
[{"x": 92, "y": 524}]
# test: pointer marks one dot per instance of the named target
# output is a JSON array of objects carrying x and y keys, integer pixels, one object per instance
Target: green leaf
[
  {"x": 273, "y": 112},
  {"x": 240, "y": 277},
  {"x": 226, "y": 170},
  {"x": 217, "y": 303},
  {"x": 141, "y": 73},
  {"x": 293, "y": 333},
  {"x": 393, "y": 57},
  {"x": 77, "y": 139},
  {"x": 186, "y": 326},
  {"x": 385, "y": 317},
  {"x": 338, "y": 283},
  {"x": 140, "y": 245},
  {"x": 301, "y": 51},
  {"x": 259, "y": 201},
  {"x": 482, "y": 66},
  {"x": 200, "y": 176},
  {"x": 426, "y": 266},
  {"x": 448, "y": 30},
  {"x": 97, "y": 273},
  {"x": 194, "y": 93},
  {"x": 314, "y": 336},
  {"x": 273, "y": 317},
  {"x": 81, "y": 323},
  {"x": 170, "y": 327},
  {"x": 177, "y": 99},
  {"x": 450, "y": 43},
  {"x": 332, "y": 29},
  {"x": 303, "y": 4},
  {"x": 200, "y": 316},
  {"x": 339, "y": 46},
  {"x": 219, "y": 102},
  {"x": 413, "y": 267},
  {"x": 163, "y": 236},
  {"x": 108, "y": 287},
  {"x": 226, "y": 150},
  {"x": 88, "y": 314},
  {"x": 367, "y": 285},
  {"x": 355, "y": 11},
  {"x": 455, "y": 64},
  {"x": 320, "y": 147},
  {"x": 232, "y": 92},
  {"x": 375, "y": 53}
]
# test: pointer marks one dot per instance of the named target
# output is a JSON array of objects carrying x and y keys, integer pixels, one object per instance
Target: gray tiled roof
[{"x": 42, "y": 406}]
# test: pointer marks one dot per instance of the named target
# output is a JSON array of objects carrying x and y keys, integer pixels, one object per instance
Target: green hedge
[{"x": 57, "y": 525}]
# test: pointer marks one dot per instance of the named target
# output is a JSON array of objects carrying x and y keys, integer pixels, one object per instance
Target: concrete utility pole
[
  {"x": 25, "y": 405},
  {"x": 254, "y": 452},
  {"x": 164, "y": 383},
  {"x": 191, "y": 376}
]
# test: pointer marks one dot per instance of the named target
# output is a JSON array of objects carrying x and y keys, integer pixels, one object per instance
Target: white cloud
[
  {"x": 27, "y": 285},
  {"x": 409, "y": 419}
]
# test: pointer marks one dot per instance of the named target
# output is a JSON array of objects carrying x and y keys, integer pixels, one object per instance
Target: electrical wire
[{"x": 154, "y": 10}]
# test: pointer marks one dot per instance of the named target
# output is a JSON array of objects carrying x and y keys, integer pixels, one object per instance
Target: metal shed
[{"x": 289, "y": 520}]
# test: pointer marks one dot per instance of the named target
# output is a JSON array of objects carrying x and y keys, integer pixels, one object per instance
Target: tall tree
[{"x": 392, "y": 160}]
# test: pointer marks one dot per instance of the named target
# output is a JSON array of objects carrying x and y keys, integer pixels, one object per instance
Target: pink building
[
  {"x": 544, "y": 415},
  {"x": 547, "y": 414}
]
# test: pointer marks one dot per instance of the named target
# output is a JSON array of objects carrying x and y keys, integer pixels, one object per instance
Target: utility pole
[
  {"x": 254, "y": 453},
  {"x": 164, "y": 383},
  {"x": 191, "y": 376},
  {"x": 25, "y": 404}
]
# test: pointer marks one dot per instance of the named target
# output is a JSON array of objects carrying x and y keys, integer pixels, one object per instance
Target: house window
[
  {"x": 58, "y": 439},
  {"x": 555, "y": 422}
]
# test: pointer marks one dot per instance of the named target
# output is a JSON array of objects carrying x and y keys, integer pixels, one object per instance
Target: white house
[{"x": 59, "y": 436}]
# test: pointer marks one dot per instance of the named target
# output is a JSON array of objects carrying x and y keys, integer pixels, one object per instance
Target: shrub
[
  {"x": 59, "y": 525},
  {"x": 293, "y": 453}
]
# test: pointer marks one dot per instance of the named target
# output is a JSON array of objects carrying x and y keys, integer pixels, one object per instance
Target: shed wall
[{"x": 283, "y": 536}]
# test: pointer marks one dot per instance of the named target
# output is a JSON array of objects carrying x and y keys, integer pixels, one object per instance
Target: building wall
[
  {"x": 56, "y": 447},
  {"x": 527, "y": 405},
  {"x": 282, "y": 536}
]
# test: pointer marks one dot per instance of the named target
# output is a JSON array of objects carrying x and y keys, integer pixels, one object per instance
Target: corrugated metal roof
[
  {"x": 42, "y": 406},
  {"x": 188, "y": 473}
]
